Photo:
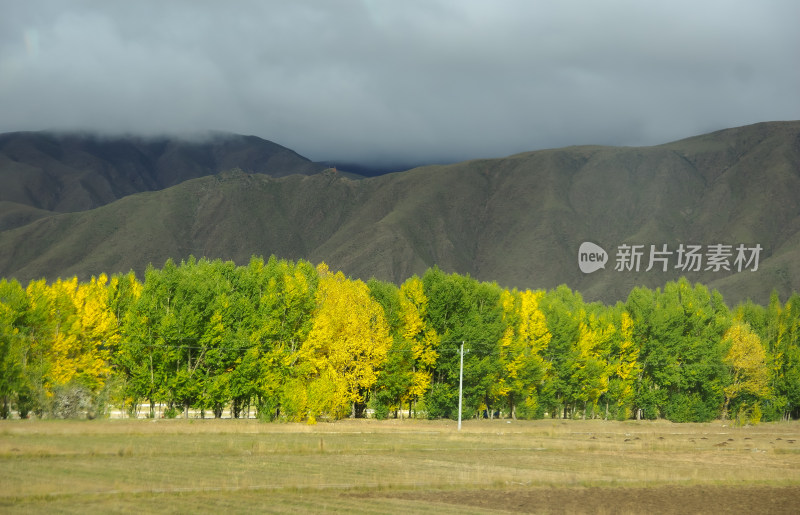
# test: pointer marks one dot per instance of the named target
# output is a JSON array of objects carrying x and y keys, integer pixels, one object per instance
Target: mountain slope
[
  {"x": 70, "y": 172},
  {"x": 517, "y": 220}
]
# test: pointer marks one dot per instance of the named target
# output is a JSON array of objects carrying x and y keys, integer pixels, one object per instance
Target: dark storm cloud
[{"x": 412, "y": 81}]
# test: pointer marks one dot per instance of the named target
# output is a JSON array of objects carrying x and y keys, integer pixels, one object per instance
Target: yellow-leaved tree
[
  {"x": 85, "y": 329},
  {"x": 522, "y": 349},
  {"x": 626, "y": 368},
  {"x": 72, "y": 328},
  {"x": 423, "y": 338},
  {"x": 747, "y": 360},
  {"x": 590, "y": 372},
  {"x": 348, "y": 341}
]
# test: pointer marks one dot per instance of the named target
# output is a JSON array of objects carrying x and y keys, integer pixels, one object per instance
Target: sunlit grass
[{"x": 99, "y": 465}]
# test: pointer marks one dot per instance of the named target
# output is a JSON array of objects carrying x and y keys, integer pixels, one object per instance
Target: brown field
[{"x": 369, "y": 466}]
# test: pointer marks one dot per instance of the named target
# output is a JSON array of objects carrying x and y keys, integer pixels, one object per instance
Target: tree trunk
[{"x": 725, "y": 408}]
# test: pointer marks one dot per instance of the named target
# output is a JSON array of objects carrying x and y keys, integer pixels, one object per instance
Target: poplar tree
[
  {"x": 680, "y": 333},
  {"x": 750, "y": 376},
  {"x": 348, "y": 342},
  {"x": 625, "y": 368},
  {"x": 418, "y": 336},
  {"x": 13, "y": 347},
  {"x": 522, "y": 349}
]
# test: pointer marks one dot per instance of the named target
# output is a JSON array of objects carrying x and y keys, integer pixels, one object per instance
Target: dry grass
[{"x": 362, "y": 466}]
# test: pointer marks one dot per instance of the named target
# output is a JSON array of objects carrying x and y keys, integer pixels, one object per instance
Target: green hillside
[{"x": 517, "y": 220}]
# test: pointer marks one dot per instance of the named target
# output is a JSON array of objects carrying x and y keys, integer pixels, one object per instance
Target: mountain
[
  {"x": 76, "y": 172},
  {"x": 518, "y": 220}
]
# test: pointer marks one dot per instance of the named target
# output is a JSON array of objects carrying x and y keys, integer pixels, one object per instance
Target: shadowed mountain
[
  {"x": 72, "y": 172},
  {"x": 518, "y": 220}
]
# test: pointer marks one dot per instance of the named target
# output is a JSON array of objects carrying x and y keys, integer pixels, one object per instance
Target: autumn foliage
[{"x": 294, "y": 341}]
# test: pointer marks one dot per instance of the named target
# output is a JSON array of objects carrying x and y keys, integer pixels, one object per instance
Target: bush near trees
[{"x": 293, "y": 341}]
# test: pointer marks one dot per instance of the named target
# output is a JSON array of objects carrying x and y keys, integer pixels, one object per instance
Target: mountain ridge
[
  {"x": 63, "y": 172},
  {"x": 517, "y": 220}
]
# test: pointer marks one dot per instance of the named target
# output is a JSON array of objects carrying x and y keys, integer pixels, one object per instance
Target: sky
[{"x": 417, "y": 81}]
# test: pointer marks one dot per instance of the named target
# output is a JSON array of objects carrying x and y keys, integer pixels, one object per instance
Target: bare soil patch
[{"x": 668, "y": 500}]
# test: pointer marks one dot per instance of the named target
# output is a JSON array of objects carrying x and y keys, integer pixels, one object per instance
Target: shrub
[
  {"x": 71, "y": 401},
  {"x": 442, "y": 402}
]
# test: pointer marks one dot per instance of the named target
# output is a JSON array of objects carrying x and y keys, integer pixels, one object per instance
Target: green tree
[
  {"x": 283, "y": 318},
  {"x": 461, "y": 309},
  {"x": 782, "y": 338},
  {"x": 143, "y": 354},
  {"x": 562, "y": 309},
  {"x": 680, "y": 334},
  {"x": 396, "y": 375},
  {"x": 13, "y": 343}
]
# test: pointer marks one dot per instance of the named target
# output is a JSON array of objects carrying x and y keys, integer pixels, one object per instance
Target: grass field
[{"x": 369, "y": 466}]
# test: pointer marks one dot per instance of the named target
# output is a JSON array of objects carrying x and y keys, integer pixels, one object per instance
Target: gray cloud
[{"x": 413, "y": 81}]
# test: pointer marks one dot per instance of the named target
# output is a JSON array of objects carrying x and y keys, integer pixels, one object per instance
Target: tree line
[{"x": 293, "y": 341}]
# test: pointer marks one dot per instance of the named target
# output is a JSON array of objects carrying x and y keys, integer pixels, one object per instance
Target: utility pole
[{"x": 460, "y": 385}]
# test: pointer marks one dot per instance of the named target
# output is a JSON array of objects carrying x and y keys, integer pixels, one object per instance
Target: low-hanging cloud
[{"x": 401, "y": 81}]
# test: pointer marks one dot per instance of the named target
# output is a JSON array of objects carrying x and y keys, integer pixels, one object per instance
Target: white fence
[{"x": 160, "y": 410}]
